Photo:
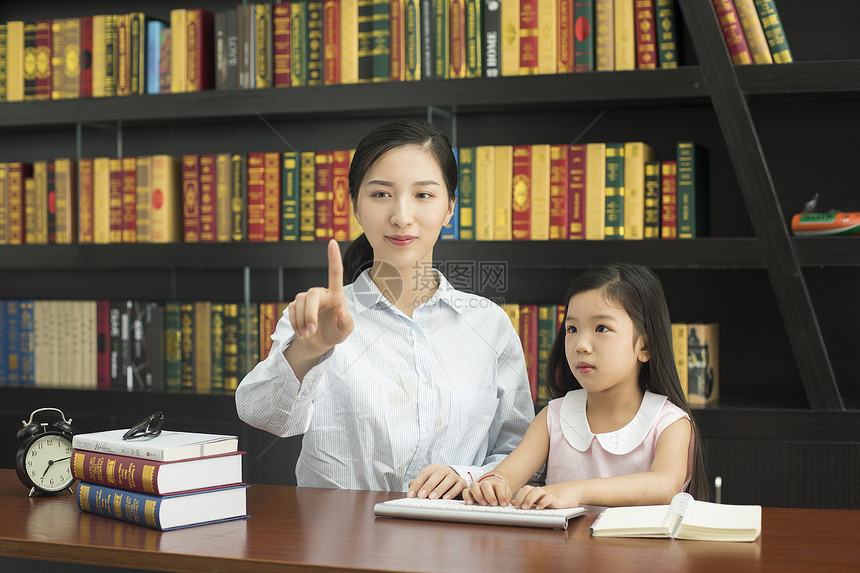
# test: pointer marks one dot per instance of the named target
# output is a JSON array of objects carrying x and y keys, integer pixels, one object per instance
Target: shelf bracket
[{"x": 759, "y": 193}]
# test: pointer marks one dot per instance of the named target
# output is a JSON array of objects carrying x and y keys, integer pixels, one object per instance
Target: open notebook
[{"x": 684, "y": 518}]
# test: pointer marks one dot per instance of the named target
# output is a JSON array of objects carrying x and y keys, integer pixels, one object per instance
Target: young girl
[
  {"x": 398, "y": 381},
  {"x": 620, "y": 431}
]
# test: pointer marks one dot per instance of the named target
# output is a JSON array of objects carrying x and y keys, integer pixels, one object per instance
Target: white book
[
  {"x": 165, "y": 447},
  {"x": 684, "y": 518}
]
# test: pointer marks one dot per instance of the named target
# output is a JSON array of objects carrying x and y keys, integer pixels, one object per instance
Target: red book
[
  {"x": 340, "y": 199},
  {"x": 331, "y": 41},
  {"x": 206, "y": 207},
  {"x": 199, "y": 26},
  {"x": 43, "y": 62},
  {"x": 521, "y": 193},
  {"x": 86, "y": 61},
  {"x": 115, "y": 200},
  {"x": 396, "y": 23},
  {"x": 16, "y": 175},
  {"x": 576, "y": 192},
  {"x": 129, "y": 200},
  {"x": 733, "y": 32},
  {"x": 103, "y": 344},
  {"x": 281, "y": 44},
  {"x": 646, "y": 35},
  {"x": 191, "y": 198},
  {"x": 528, "y": 37},
  {"x": 272, "y": 197},
  {"x": 256, "y": 194},
  {"x": 558, "y": 172},
  {"x": 52, "y": 204},
  {"x": 457, "y": 39},
  {"x": 668, "y": 200},
  {"x": 566, "y": 33},
  {"x": 324, "y": 196},
  {"x": 85, "y": 201},
  {"x": 529, "y": 339}
]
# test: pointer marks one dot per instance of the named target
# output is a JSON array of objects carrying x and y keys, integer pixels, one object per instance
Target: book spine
[
  {"x": 604, "y": 41},
  {"x": 528, "y": 37},
  {"x": 456, "y": 40},
  {"x": 36, "y": 205},
  {"x": 546, "y": 333},
  {"x": 165, "y": 72},
  {"x": 547, "y": 37},
  {"x": 272, "y": 197},
  {"x": 348, "y": 41},
  {"x": 668, "y": 200},
  {"x": 124, "y": 505},
  {"x": 217, "y": 348},
  {"x": 29, "y": 55},
  {"x": 381, "y": 41},
  {"x": 154, "y": 336},
  {"x": 231, "y": 348},
  {"x": 15, "y": 61},
  {"x": 625, "y": 36},
  {"x": 172, "y": 346},
  {"x": 202, "y": 353},
  {"x": 315, "y": 43},
  {"x": 529, "y": 336},
  {"x": 220, "y": 50},
  {"x": 268, "y": 321},
  {"x": 307, "y": 196},
  {"x": 491, "y": 25},
  {"x": 773, "y": 31},
  {"x": 576, "y": 190},
  {"x": 153, "y": 56},
  {"x": 166, "y": 204},
  {"x": 583, "y": 35},
  {"x": 331, "y": 41},
  {"x": 101, "y": 200},
  {"x": 540, "y": 183},
  {"x": 206, "y": 197},
  {"x": 503, "y": 192},
  {"x": 115, "y": 202},
  {"x": 123, "y": 77},
  {"x": 732, "y": 32},
  {"x": 4, "y": 41},
  {"x": 753, "y": 31},
  {"x": 427, "y": 30},
  {"x": 222, "y": 198},
  {"x": 143, "y": 199},
  {"x": 17, "y": 175},
  {"x": 441, "y": 38},
  {"x": 646, "y": 35},
  {"x": 290, "y": 196},
  {"x": 466, "y": 193},
  {"x": 129, "y": 200},
  {"x": 365, "y": 40},
  {"x": 614, "y": 223},
  {"x": 47, "y": 215},
  {"x": 43, "y": 72},
  {"x": 411, "y": 40},
  {"x": 485, "y": 212},
  {"x": 668, "y": 48},
  {"x": 249, "y": 332},
  {"x": 703, "y": 363},
  {"x": 558, "y": 192},
  {"x": 4, "y": 380},
  {"x": 4, "y": 227},
  {"x": 85, "y": 62},
  {"x": 138, "y": 365},
  {"x": 341, "y": 200},
  {"x": 522, "y": 193},
  {"x": 26, "y": 344},
  {"x": 397, "y": 46},
  {"x": 130, "y": 474},
  {"x": 200, "y": 64},
  {"x": 262, "y": 45},
  {"x": 238, "y": 198},
  {"x": 66, "y": 198},
  {"x": 231, "y": 49},
  {"x": 298, "y": 44},
  {"x": 679, "y": 348},
  {"x": 324, "y": 196},
  {"x": 565, "y": 30},
  {"x": 111, "y": 55},
  {"x": 191, "y": 198},
  {"x": 635, "y": 155},
  {"x": 13, "y": 342},
  {"x": 187, "y": 352},
  {"x": 256, "y": 197},
  {"x": 652, "y": 200},
  {"x": 692, "y": 164},
  {"x": 137, "y": 53},
  {"x": 58, "y": 64},
  {"x": 281, "y": 44}
]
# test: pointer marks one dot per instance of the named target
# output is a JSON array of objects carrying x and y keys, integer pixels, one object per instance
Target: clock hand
[{"x": 52, "y": 462}]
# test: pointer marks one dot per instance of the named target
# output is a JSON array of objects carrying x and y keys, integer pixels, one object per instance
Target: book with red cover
[
  {"x": 521, "y": 193},
  {"x": 528, "y": 37},
  {"x": 324, "y": 228},
  {"x": 85, "y": 201},
  {"x": 529, "y": 338},
  {"x": 206, "y": 188},
  {"x": 281, "y": 44},
  {"x": 732, "y": 32},
  {"x": 340, "y": 198},
  {"x": 396, "y": 35},
  {"x": 157, "y": 478},
  {"x": 115, "y": 200},
  {"x": 272, "y": 197},
  {"x": 44, "y": 83},
  {"x": 200, "y": 44},
  {"x": 129, "y": 200},
  {"x": 576, "y": 192},
  {"x": 558, "y": 192},
  {"x": 646, "y": 35},
  {"x": 190, "y": 198},
  {"x": 566, "y": 33},
  {"x": 86, "y": 57},
  {"x": 456, "y": 40},
  {"x": 668, "y": 200},
  {"x": 331, "y": 41},
  {"x": 256, "y": 197}
]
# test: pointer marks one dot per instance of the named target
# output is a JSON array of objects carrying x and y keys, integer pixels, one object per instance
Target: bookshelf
[{"x": 787, "y": 307}]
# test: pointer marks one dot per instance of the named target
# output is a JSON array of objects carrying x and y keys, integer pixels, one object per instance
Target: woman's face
[{"x": 402, "y": 204}]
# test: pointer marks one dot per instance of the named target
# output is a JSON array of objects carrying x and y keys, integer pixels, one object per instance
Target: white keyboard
[{"x": 457, "y": 510}]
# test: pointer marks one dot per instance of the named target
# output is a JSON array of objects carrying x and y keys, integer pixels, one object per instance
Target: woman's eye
[
  {"x": 379, "y": 194},
  {"x": 424, "y": 195}
]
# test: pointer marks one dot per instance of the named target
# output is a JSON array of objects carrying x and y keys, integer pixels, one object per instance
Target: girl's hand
[
  {"x": 491, "y": 490},
  {"x": 530, "y": 497},
  {"x": 319, "y": 316}
]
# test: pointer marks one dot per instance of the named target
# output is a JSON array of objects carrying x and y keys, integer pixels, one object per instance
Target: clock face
[{"x": 47, "y": 462}]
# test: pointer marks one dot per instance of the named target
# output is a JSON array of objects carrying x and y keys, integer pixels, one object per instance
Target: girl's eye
[
  {"x": 571, "y": 329},
  {"x": 601, "y": 328}
]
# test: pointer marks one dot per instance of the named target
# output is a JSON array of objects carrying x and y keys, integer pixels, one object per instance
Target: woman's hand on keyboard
[
  {"x": 435, "y": 482},
  {"x": 491, "y": 489}
]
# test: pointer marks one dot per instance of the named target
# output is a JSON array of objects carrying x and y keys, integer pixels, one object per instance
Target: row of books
[
  {"x": 753, "y": 31},
  {"x": 506, "y": 192},
  {"x": 167, "y": 481},
  {"x": 261, "y": 45}
]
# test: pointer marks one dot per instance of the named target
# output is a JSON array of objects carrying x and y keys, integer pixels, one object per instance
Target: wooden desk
[{"x": 301, "y": 529}]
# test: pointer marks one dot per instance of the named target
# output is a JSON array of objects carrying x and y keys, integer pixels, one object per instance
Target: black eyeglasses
[{"x": 148, "y": 427}]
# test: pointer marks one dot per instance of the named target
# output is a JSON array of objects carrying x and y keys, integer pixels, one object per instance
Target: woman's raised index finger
[{"x": 335, "y": 267}]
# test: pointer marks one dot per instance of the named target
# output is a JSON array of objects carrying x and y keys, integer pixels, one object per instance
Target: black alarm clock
[{"x": 44, "y": 454}]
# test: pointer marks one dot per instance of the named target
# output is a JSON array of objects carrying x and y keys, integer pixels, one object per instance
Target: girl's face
[
  {"x": 601, "y": 344},
  {"x": 402, "y": 204}
]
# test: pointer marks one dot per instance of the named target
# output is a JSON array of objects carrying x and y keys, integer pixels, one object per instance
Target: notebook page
[
  {"x": 640, "y": 521},
  {"x": 679, "y": 509},
  {"x": 721, "y": 521}
]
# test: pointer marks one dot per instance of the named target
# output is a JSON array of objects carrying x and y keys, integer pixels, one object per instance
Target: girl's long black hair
[
  {"x": 639, "y": 292},
  {"x": 372, "y": 146}
]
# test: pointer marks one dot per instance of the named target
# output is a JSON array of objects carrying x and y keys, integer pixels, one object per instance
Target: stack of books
[{"x": 168, "y": 481}]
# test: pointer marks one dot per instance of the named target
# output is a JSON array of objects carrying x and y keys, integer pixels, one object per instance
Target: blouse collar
[
  {"x": 575, "y": 428},
  {"x": 366, "y": 294}
]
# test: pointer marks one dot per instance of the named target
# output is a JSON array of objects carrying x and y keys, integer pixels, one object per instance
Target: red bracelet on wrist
[{"x": 480, "y": 479}]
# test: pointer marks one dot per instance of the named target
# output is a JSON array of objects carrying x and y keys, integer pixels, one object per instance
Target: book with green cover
[
  {"x": 290, "y": 196},
  {"x": 298, "y": 44},
  {"x": 693, "y": 176},
  {"x": 440, "y": 38},
  {"x": 773, "y": 31},
  {"x": 668, "y": 52},
  {"x": 474, "y": 38},
  {"x": 614, "y": 217},
  {"x": 315, "y": 43},
  {"x": 381, "y": 41}
]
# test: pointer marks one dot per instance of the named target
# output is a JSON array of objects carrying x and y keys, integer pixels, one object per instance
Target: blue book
[
  {"x": 13, "y": 339},
  {"x": 3, "y": 373},
  {"x": 451, "y": 231},
  {"x": 27, "y": 343},
  {"x": 164, "y": 512},
  {"x": 153, "y": 55}
]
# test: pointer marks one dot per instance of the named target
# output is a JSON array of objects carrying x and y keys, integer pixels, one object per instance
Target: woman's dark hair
[
  {"x": 372, "y": 146},
  {"x": 639, "y": 292}
]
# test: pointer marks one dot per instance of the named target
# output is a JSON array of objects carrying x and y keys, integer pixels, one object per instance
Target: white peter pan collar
[{"x": 575, "y": 428}]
